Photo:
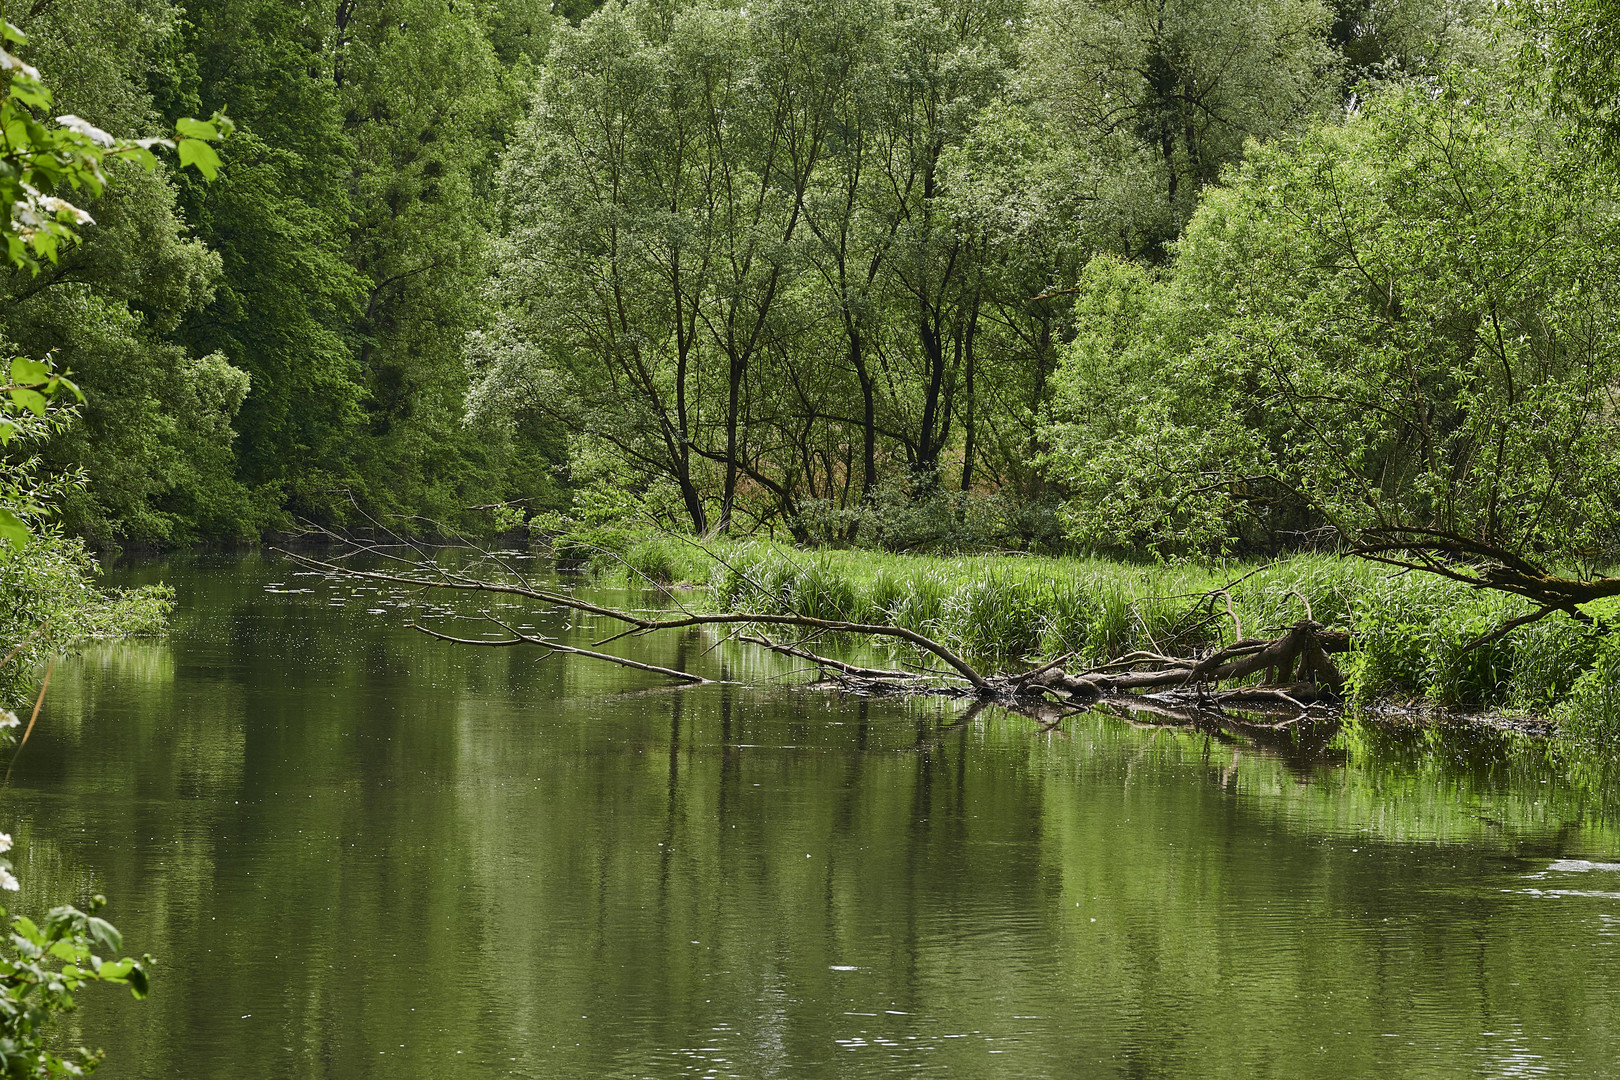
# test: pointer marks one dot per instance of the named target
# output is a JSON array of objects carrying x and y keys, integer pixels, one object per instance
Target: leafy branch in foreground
[
  {"x": 45, "y": 964},
  {"x": 48, "y": 965},
  {"x": 42, "y": 163}
]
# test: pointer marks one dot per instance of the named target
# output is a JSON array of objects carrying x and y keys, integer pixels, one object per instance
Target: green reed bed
[{"x": 1413, "y": 632}]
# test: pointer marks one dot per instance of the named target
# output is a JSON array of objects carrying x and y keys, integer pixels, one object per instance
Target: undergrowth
[
  {"x": 1414, "y": 633},
  {"x": 50, "y": 600}
]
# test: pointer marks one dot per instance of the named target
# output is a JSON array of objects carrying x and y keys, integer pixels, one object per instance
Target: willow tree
[
  {"x": 652, "y": 205},
  {"x": 1400, "y": 330},
  {"x": 1572, "y": 49},
  {"x": 1168, "y": 92}
]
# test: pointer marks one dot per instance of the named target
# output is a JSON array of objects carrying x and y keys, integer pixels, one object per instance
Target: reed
[{"x": 1412, "y": 631}]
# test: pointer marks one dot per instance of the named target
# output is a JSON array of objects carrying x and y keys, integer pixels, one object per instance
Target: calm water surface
[{"x": 360, "y": 853}]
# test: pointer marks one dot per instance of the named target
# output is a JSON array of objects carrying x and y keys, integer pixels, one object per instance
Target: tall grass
[
  {"x": 1414, "y": 633},
  {"x": 1592, "y": 710},
  {"x": 1011, "y": 609}
]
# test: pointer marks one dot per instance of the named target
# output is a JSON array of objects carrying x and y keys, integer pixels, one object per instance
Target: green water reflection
[{"x": 361, "y": 853}]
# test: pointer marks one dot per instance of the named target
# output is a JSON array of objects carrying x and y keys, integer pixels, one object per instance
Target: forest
[
  {"x": 1191, "y": 412},
  {"x": 1141, "y": 280}
]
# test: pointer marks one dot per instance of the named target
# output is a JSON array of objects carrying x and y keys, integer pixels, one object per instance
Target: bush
[
  {"x": 49, "y": 601},
  {"x": 916, "y": 512}
]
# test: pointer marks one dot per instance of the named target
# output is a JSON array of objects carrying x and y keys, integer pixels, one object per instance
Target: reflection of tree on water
[
  {"x": 677, "y": 703},
  {"x": 1258, "y": 893}
]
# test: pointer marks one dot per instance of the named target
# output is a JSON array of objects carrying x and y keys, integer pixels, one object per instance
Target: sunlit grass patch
[{"x": 1415, "y": 635}]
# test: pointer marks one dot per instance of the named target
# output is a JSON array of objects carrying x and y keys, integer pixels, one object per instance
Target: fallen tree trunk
[
  {"x": 1293, "y": 670},
  {"x": 1298, "y": 659},
  {"x": 1486, "y": 566}
]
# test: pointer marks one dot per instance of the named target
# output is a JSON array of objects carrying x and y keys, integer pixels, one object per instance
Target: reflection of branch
[
  {"x": 1296, "y": 667},
  {"x": 826, "y": 661},
  {"x": 638, "y": 625},
  {"x": 547, "y": 643}
]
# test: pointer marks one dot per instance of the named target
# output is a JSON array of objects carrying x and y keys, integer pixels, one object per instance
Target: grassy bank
[
  {"x": 50, "y": 600},
  {"x": 1411, "y": 630}
]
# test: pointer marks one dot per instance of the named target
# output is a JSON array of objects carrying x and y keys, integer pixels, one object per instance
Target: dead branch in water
[{"x": 1293, "y": 671}]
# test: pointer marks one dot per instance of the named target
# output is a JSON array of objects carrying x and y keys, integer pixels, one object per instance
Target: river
[{"x": 358, "y": 852}]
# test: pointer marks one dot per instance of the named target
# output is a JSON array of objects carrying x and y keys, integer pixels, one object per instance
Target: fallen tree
[
  {"x": 1484, "y": 565},
  {"x": 1293, "y": 671}
]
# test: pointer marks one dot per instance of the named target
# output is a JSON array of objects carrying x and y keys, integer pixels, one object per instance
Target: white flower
[
  {"x": 8, "y": 719},
  {"x": 5, "y": 841},
  {"x": 59, "y": 207},
  {"x": 8, "y": 880},
  {"x": 87, "y": 129}
]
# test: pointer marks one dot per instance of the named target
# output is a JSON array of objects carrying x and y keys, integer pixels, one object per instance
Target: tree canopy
[{"x": 1186, "y": 277}]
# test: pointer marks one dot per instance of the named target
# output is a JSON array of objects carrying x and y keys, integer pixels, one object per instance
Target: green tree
[
  {"x": 947, "y": 64},
  {"x": 1166, "y": 93},
  {"x": 653, "y": 205},
  {"x": 1572, "y": 47},
  {"x": 1399, "y": 329},
  {"x": 286, "y": 304},
  {"x": 156, "y": 431}
]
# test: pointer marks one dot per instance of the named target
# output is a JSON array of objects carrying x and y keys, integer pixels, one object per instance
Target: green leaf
[
  {"x": 59, "y": 381},
  {"x": 191, "y": 128},
  {"x": 139, "y": 987},
  {"x": 105, "y": 934},
  {"x": 8, "y": 430},
  {"x": 14, "y": 531},
  {"x": 28, "y": 372},
  {"x": 32, "y": 400},
  {"x": 64, "y": 950},
  {"x": 22, "y": 924},
  {"x": 31, "y": 93},
  {"x": 199, "y": 154}
]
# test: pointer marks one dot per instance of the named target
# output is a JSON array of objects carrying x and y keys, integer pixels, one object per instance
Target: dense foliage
[
  {"x": 1400, "y": 321},
  {"x": 1193, "y": 279},
  {"x": 985, "y": 273},
  {"x": 286, "y": 340},
  {"x": 802, "y": 265}
]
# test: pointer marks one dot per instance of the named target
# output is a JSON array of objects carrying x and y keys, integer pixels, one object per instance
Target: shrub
[{"x": 1548, "y": 659}]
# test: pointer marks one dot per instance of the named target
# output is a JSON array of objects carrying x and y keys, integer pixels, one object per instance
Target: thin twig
[
  {"x": 29, "y": 730},
  {"x": 524, "y": 639}
]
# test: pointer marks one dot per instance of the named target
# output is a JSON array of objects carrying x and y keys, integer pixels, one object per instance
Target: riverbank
[
  {"x": 51, "y": 599},
  {"x": 1413, "y": 634}
]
